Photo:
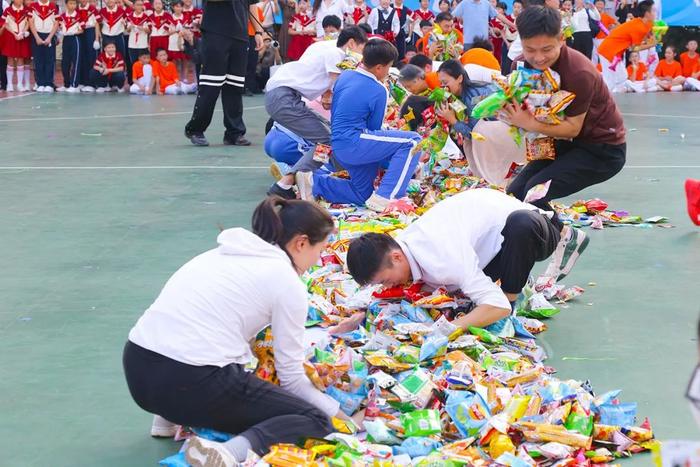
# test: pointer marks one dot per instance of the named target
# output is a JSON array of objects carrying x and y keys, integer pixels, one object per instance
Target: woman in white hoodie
[{"x": 185, "y": 357}]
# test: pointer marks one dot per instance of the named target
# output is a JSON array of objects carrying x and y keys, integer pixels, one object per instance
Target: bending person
[
  {"x": 491, "y": 237},
  {"x": 185, "y": 358},
  {"x": 312, "y": 76}
]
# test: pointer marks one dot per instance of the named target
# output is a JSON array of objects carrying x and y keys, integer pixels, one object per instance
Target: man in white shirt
[
  {"x": 311, "y": 77},
  {"x": 466, "y": 242}
]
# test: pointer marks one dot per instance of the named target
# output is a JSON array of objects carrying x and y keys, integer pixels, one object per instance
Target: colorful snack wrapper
[{"x": 421, "y": 423}]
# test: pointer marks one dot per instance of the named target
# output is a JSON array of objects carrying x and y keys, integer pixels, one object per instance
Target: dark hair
[
  {"x": 445, "y": 1},
  {"x": 425, "y": 23},
  {"x": 529, "y": 3},
  {"x": 175, "y": 3},
  {"x": 144, "y": 52},
  {"x": 644, "y": 7},
  {"x": 331, "y": 21},
  {"x": 539, "y": 21},
  {"x": 455, "y": 70},
  {"x": 366, "y": 28},
  {"x": 368, "y": 254},
  {"x": 444, "y": 16},
  {"x": 158, "y": 50},
  {"x": 379, "y": 52},
  {"x": 502, "y": 5},
  {"x": 351, "y": 32},
  {"x": 517, "y": 1},
  {"x": 482, "y": 43},
  {"x": 421, "y": 61},
  {"x": 277, "y": 221}
]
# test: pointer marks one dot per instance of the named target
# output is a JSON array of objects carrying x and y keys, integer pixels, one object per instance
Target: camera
[{"x": 275, "y": 45}]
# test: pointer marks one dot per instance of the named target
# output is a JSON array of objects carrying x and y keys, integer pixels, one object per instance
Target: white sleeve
[
  {"x": 396, "y": 24},
  {"x": 373, "y": 19},
  {"x": 479, "y": 287},
  {"x": 319, "y": 24},
  {"x": 331, "y": 60},
  {"x": 516, "y": 49},
  {"x": 288, "y": 318},
  {"x": 595, "y": 14}
]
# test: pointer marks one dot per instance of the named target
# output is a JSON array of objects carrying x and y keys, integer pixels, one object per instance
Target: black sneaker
[
  {"x": 198, "y": 139},
  {"x": 276, "y": 190},
  {"x": 240, "y": 141}
]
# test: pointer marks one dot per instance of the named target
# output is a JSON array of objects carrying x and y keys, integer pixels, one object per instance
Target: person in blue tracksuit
[{"x": 359, "y": 144}]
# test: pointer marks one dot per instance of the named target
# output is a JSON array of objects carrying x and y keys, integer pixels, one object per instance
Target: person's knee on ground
[{"x": 172, "y": 90}]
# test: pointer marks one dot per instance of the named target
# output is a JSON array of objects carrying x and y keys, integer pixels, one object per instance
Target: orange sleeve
[
  {"x": 460, "y": 36},
  {"x": 422, "y": 45},
  {"x": 622, "y": 37},
  {"x": 661, "y": 70},
  {"x": 137, "y": 70},
  {"x": 629, "y": 73},
  {"x": 432, "y": 80},
  {"x": 676, "y": 69}
]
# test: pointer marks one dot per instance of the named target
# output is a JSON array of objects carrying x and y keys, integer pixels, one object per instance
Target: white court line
[
  {"x": 95, "y": 117},
  {"x": 7, "y": 98},
  {"x": 140, "y": 167},
  {"x": 690, "y": 117},
  {"x": 662, "y": 167}
]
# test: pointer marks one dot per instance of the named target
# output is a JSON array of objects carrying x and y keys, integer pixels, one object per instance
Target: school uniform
[
  {"x": 160, "y": 32},
  {"x": 361, "y": 146},
  {"x": 139, "y": 27},
  {"x": 193, "y": 18},
  {"x": 404, "y": 14},
  {"x": 175, "y": 41},
  {"x": 185, "y": 358},
  {"x": 142, "y": 75},
  {"x": 113, "y": 27},
  {"x": 299, "y": 43},
  {"x": 418, "y": 16},
  {"x": 309, "y": 77},
  {"x": 168, "y": 79},
  {"x": 637, "y": 80},
  {"x": 90, "y": 18},
  {"x": 3, "y": 59},
  {"x": 385, "y": 23},
  {"x": 359, "y": 14},
  {"x": 16, "y": 22},
  {"x": 44, "y": 16},
  {"x": 110, "y": 80},
  {"x": 72, "y": 29}
]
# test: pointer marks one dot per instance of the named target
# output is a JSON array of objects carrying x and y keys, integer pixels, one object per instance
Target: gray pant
[{"x": 284, "y": 105}]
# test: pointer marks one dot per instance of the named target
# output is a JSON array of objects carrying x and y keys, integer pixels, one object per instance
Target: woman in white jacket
[
  {"x": 185, "y": 357},
  {"x": 583, "y": 37}
]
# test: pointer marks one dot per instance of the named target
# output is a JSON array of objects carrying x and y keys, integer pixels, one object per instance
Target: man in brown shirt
[{"x": 590, "y": 146}]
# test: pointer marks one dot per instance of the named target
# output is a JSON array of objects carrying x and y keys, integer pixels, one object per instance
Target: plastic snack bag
[
  {"x": 468, "y": 411},
  {"x": 421, "y": 423}
]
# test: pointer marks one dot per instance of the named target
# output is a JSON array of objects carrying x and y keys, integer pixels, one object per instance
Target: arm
[
  {"x": 288, "y": 316},
  {"x": 492, "y": 303},
  {"x": 569, "y": 128},
  {"x": 32, "y": 28},
  {"x": 457, "y": 13},
  {"x": 504, "y": 19},
  {"x": 253, "y": 10},
  {"x": 52, "y": 33},
  {"x": 377, "y": 110},
  {"x": 396, "y": 24},
  {"x": 373, "y": 19}
]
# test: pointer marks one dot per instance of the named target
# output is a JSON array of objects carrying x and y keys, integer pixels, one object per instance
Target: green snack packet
[
  {"x": 421, "y": 423},
  {"x": 398, "y": 93},
  {"x": 323, "y": 357},
  {"x": 485, "y": 335},
  {"x": 579, "y": 422},
  {"x": 407, "y": 354},
  {"x": 490, "y": 105}
]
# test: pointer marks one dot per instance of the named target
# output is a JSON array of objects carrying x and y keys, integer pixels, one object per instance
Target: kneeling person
[
  {"x": 359, "y": 144},
  {"x": 167, "y": 78},
  {"x": 467, "y": 243}
]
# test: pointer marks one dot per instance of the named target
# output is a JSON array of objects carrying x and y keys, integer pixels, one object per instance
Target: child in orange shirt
[
  {"x": 142, "y": 73},
  {"x": 167, "y": 78},
  {"x": 638, "y": 76},
  {"x": 690, "y": 63},
  {"x": 669, "y": 73}
]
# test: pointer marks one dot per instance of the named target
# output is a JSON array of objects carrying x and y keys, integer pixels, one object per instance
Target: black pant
[
  {"x": 401, "y": 43},
  {"x": 223, "y": 70},
  {"x": 88, "y": 55},
  {"x": 577, "y": 165},
  {"x": 127, "y": 58},
  {"x": 227, "y": 399},
  {"x": 99, "y": 80},
  {"x": 70, "y": 61},
  {"x": 528, "y": 237},
  {"x": 3, "y": 72},
  {"x": 44, "y": 61},
  {"x": 251, "y": 82},
  {"x": 583, "y": 42}
]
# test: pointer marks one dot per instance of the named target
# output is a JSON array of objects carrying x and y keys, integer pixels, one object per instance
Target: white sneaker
[
  {"x": 305, "y": 184},
  {"x": 204, "y": 453},
  {"x": 73, "y": 90},
  {"x": 377, "y": 203},
  {"x": 120, "y": 90},
  {"x": 61, "y": 89},
  {"x": 101, "y": 90},
  {"x": 572, "y": 243},
  {"x": 48, "y": 89},
  {"x": 113, "y": 89},
  {"x": 162, "y": 428},
  {"x": 10, "y": 87},
  {"x": 87, "y": 89},
  {"x": 22, "y": 88},
  {"x": 36, "y": 88}
]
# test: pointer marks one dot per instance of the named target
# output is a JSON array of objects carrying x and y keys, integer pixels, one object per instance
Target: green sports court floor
[{"x": 102, "y": 198}]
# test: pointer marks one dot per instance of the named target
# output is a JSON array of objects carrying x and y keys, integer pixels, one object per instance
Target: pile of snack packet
[{"x": 434, "y": 395}]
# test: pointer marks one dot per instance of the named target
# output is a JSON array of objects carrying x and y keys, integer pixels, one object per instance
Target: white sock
[
  {"x": 10, "y": 75},
  {"x": 284, "y": 186},
  {"x": 238, "y": 446},
  {"x": 20, "y": 75}
]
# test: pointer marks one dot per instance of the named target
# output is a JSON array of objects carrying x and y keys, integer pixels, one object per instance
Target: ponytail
[
  {"x": 316, "y": 6},
  {"x": 277, "y": 221}
]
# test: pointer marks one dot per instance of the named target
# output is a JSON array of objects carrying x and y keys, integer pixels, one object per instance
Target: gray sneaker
[{"x": 198, "y": 139}]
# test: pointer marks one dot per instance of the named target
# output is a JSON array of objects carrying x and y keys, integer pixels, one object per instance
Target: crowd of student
[{"x": 126, "y": 44}]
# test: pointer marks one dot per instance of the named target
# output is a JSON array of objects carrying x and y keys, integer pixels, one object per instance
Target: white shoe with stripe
[{"x": 204, "y": 453}]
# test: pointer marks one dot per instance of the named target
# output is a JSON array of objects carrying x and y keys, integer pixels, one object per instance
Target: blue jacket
[
  {"x": 472, "y": 94},
  {"x": 359, "y": 103}
]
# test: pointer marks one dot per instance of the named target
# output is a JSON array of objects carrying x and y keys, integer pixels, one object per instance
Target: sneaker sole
[
  {"x": 573, "y": 258},
  {"x": 275, "y": 172},
  {"x": 305, "y": 189},
  {"x": 198, "y": 455},
  {"x": 163, "y": 432}
]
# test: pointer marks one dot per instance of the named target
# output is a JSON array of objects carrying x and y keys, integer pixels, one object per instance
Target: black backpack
[{"x": 593, "y": 24}]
